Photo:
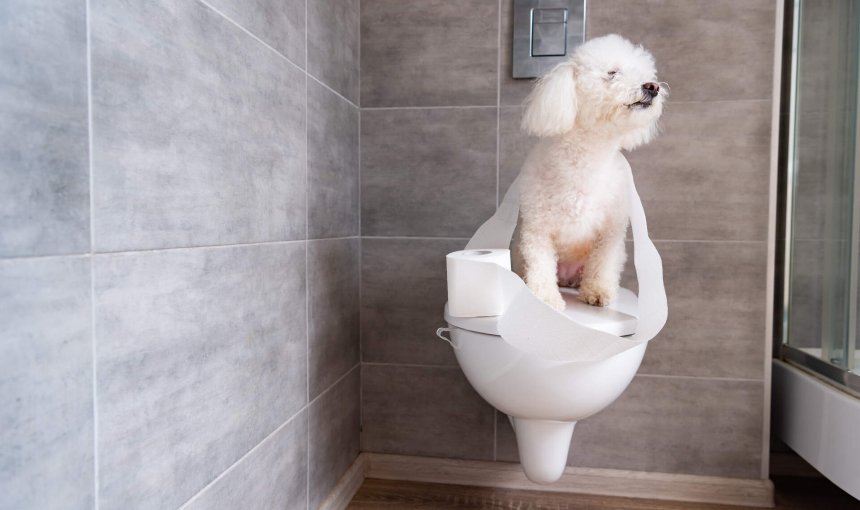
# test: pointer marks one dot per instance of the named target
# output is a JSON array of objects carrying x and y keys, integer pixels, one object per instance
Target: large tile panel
[
  {"x": 46, "y": 384},
  {"x": 717, "y": 297},
  {"x": 431, "y": 411},
  {"x": 201, "y": 354},
  {"x": 44, "y": 165},
  {"x": 427, "y": 172},
  {"x": 198, "y": 130},
  {"x": 334, "y": 435},
  {"x": 333, "y": 164},
  {"x": 706, "y": 49},
  {"x": 514, "y": 146},
  {"x": 333, "y": 275},
  {"x": 273, "y": 476},
  {"x": 279, "y": 23},
  {"x": 707, "y": 175},
  {"x": 333, "y": 39},
  {"x": 429, "y": 52},
  {"x": 403, "y": 296},
  {"x": 669, "y": 424}
]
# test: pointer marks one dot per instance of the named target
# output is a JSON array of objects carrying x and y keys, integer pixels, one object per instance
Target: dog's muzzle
[{"x": 650, "y": 90}]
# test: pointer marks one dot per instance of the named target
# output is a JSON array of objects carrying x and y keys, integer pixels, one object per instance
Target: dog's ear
[{"x": 551, "y": 107}]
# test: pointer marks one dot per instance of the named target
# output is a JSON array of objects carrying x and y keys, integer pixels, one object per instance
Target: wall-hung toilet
[
  {"x": 544, "y": 399},
  {"x": 545, "y": 369}
]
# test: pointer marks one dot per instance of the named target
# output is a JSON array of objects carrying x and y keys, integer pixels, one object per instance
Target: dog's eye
[{"x": 611, "y": 74}]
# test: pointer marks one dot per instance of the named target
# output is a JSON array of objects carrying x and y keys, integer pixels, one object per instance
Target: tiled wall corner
[{"x": 180, "y": 359}]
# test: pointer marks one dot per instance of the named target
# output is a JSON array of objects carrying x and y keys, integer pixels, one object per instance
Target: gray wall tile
[
  {"x": 427, "y": 172},
  {"x": 279, "y": 23},
  {"x": 273, "y": 476},
  {"x": 44, "y": 165},
  {"x": 695, "y": 41},
  {"x": 333, "y": 42},
  {"x": 334, "y": 435},
  {"x": 200, "y": 141},
  {"x": 429, "y": 52},
  {"x": 672, "y": 425},
  {"x": 46, "y": 384},
  {"x": 431, "y": 411},
  {"x": 333, "y": 164},
  {"x": 511, "y": 92},
  {"x": 402, "y": 299},
  {"x": 707, "y": 175},
  {"x": 717, "y": 297},
  {"x": 514, "y": 146},
  {"x": 201, "y": 354},
  {"x": 333, "y": 276}
]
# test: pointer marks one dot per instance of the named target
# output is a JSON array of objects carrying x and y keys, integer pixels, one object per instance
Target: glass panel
[{"x": 822, "y": 299}]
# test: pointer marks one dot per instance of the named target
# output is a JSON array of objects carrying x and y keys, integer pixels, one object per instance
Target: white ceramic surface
[{"x": 544, "y": 398}]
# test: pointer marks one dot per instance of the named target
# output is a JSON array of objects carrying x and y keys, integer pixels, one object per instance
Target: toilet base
[{"x": 543, "y": 446}]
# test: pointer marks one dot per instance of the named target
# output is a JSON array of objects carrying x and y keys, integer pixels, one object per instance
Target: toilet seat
[{"x": 619, "y": 318}]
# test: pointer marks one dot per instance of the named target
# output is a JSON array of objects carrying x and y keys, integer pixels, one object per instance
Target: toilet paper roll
[{"x": 475, "y": 288}]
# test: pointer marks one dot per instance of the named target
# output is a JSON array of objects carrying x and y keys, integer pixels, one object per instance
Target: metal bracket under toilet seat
[{"x": 440, "y": 333}]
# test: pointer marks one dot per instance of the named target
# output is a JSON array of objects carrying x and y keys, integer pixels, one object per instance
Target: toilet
[
  {"x": 544, "y": 399},
  {"x": 545, "y": 369}
]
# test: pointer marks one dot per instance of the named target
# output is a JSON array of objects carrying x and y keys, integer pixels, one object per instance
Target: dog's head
[{"x": 608, "y": 87}]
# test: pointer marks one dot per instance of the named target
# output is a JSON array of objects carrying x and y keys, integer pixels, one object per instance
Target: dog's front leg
[
  {"x": 539, "y": 261},
  {"x": 602, "y": 272}
]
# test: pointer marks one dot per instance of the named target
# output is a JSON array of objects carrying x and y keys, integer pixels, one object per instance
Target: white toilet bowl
[{"x": 544, "y": 399}]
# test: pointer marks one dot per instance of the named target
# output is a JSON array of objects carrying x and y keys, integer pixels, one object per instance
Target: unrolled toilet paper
[{"x": 475, "y": 288}]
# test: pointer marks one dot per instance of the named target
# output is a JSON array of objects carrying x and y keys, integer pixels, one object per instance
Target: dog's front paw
[
  {"x": 553, "y": 299},
  {"x": 596, "y": 295}
]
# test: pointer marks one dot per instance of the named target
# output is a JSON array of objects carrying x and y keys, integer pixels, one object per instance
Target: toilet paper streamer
[
  {"x": 475, "y": 285},
  {"x": 531, "y": 326}
]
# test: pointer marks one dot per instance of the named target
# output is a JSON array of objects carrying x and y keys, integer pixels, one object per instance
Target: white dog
[{"x": 573, "y": 212}]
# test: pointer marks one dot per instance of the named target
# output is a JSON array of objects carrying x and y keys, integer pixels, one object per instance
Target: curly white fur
[{"x": 573, "y": 203}]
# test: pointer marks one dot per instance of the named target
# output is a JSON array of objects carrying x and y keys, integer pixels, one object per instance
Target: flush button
[{"x": 549, "y": 32}]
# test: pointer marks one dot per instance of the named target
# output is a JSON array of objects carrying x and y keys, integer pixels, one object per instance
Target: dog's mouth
[{"x": 643, "y": 103}]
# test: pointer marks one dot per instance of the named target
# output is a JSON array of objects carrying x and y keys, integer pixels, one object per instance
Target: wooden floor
[{"x": 791, "y": 494}]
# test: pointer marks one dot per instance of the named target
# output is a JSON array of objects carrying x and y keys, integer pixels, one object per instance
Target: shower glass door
[{"x": 823, "y": 225}]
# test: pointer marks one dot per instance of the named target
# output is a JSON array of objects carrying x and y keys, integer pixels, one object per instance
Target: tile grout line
[
  {"x": 498, "y": 96},
  {"x": 360, "y": 249},
  {"x": 440, "y": 107},
  {"x": 333, "y": 385},
  {"x": 330, "y": 89},
  {"x": 214, "y": 246},
  {"x": 278, "y": 53},
  {"x": 498, "y": 164},
  {"x": 172, "y": 248},
  {"x": 238, "y": 461},
  {"x": 46, "y": 257},
  {"x": 96, "y": 487},
  {"x": 307, "y": 276},
  {"x": 248, "y": 32},
  {"x": 418, "y": 238}
]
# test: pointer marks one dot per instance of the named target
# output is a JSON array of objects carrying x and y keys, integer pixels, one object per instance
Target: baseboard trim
[
  {"x": 603, "y": 482},
  {"x": 347, "y": 486}
]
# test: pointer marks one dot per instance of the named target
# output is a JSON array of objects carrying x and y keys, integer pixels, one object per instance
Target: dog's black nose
[{"x": 651, "y": 88}]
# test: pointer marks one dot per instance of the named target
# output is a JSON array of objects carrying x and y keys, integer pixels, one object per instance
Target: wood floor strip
[{"x": 600, "y": 482}]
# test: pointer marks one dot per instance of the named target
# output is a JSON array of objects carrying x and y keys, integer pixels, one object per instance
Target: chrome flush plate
[{"x": 545, "y": 32}]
